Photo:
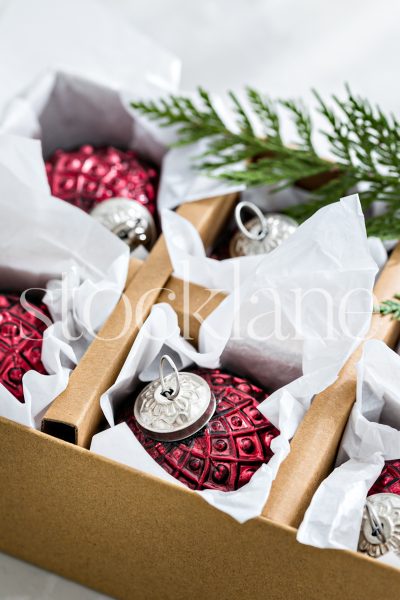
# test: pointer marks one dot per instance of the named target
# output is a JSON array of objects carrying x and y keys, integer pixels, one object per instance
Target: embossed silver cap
[
  {"x": 380, "y": 527},
  {"x": 174, "y": 407},
  {"x": 129, "y": 220},
  {"x": 261, "y": 234}
]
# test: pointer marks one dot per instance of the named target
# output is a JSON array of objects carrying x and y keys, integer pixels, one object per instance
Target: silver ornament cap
[
  {"x": 129, "y": 220},
  {"x": 175, "y": 406},
  {"x": 380, "y": 526},
  {"x": 261, "y": 234}
]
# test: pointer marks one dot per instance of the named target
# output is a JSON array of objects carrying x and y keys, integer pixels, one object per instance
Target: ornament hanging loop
[
  {"x": 257, "y": 212},
  {"x": 374, "y": 520},
  {"x": 165, "y": 390}
]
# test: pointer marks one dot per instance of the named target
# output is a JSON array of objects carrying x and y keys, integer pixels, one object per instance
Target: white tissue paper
[
  {"x": 329, "y": 252},
  {"x": 48, "y": 244},
  {"x": 70, "y": 104},
  {"x": 65, "y": 110},
  {"x": 372, "y": 436},
  {"x": 327, "y": 257}
]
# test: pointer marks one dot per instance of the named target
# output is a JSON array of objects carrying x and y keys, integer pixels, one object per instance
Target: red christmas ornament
[
  {"x": 388, "y": 481},
  {"x": 229, "y": 449},
  {"x": 89, "y": 176},
  {"x": 21, "y": 338}
]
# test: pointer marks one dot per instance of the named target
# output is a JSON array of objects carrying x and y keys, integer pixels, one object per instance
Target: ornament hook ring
[
  {"x": 165, "y": 390},
  {"x": 254, "y": 209},
  {"x": 375, "y": 522}
]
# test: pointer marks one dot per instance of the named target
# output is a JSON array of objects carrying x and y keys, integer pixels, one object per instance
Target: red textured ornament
[
  {"x": 229, "y": 449},
  {"x": 89, "y": 176},
  {"x": 388, "y": 481},
  {"x": 21, "y": 338}
]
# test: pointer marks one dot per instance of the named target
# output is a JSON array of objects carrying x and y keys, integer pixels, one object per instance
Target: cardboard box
[{"x": 130, "y": 535}]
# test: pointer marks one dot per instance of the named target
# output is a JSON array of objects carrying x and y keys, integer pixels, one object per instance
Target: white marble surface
[{"x": 284, "y": 47}]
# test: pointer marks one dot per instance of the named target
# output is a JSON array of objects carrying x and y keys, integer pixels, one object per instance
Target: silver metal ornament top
[
  {"x": 262, "y": 234},
  {"x": 175, "y": 406},
  {"x": 128, "y": 219},
  {"x": 380, "y": 527}
]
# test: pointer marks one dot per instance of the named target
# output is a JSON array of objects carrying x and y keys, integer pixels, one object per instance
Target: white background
[{"x": 284, "y": 47}]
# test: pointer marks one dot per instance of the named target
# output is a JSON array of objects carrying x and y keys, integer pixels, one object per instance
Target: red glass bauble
[
  {"x": 21, "y": 338},
  {"x": 88, "y": 176},
  {"x": 388, "y": 481},
  {"x": 229, "y": 449}
]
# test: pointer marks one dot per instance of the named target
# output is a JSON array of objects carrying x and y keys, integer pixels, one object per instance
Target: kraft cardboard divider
[
  {"x": 192, "y": 304},
  {"x": 315, "y": 444},
  {"x": 75, "y": 415}
]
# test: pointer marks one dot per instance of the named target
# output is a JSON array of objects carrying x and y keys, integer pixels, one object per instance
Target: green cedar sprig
[
  {"x": 391, "y": 307},
  {"x": 364, "y": 141}
]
